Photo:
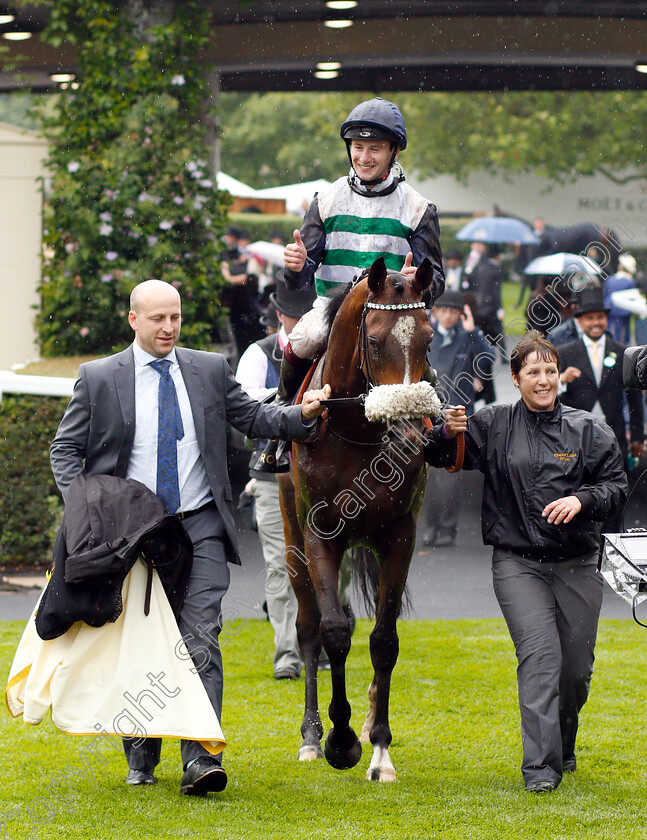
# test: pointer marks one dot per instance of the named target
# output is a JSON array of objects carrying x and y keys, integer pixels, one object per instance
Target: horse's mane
[{"x": 334, "y": 305}]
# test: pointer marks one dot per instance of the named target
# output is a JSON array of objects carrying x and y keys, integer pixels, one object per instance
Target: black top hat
[
  {"x": 453, "y": 254},
  {"x": 451, "y": 300},
  {"x": 291, "y": 302},
  {"x": 590, "y": 299}
]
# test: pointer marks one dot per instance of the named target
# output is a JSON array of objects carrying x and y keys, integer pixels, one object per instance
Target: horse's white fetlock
[{"x": 381, "y": 768}]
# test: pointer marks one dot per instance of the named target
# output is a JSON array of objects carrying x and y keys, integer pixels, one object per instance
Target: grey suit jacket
[{"x": 98, "y": 427}]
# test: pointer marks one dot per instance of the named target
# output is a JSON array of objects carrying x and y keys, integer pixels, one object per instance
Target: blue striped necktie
[{"x": 170, "y": 429}]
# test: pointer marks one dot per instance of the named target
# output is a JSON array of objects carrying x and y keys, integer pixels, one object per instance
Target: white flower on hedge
[
  {"x": 105, "y": 230},
  {"x": 178, "y": 80},
  {"x": 111, "y": 256},
  {"x": 206, "y": 183},
  {"x": 106, "y": 278},
  {"x": 151, "y": 240},
  {"x": 191, "y": 166},
  {"x": 73, "y": 166},
  {"x": 178, "y": 200},
  {"x": 129, "y": 212},
  {"x": 165, "y": 225},
  {"x": 106, "y": 216}
]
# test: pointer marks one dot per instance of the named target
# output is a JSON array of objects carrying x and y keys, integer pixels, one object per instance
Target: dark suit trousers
[
  {"x": 200, "y": 623},
  {"x": 552, "y": 611}
]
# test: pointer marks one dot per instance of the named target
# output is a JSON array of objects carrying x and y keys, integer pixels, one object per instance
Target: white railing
[{"x": 52, "y": 386}]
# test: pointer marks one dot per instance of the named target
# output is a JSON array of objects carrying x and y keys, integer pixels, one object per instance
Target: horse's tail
[{"x": 366, "y": 576}]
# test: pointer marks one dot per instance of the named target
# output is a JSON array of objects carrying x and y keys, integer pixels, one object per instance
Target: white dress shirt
[
  {"x": 194, "y": 484},
  {"x": 596, "y": 365},
  {"x": 251, "y": 373}
]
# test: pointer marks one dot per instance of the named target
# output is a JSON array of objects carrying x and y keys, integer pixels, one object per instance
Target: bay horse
[{"x": 360, "y": 483}]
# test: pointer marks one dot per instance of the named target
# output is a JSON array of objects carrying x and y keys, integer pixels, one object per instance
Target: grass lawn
[
  {"x": 456, "y": 749},
  {"x": 515, "y": 316}
]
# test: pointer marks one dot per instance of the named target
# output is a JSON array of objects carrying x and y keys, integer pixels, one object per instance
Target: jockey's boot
[{"x": 274, "y": 458}]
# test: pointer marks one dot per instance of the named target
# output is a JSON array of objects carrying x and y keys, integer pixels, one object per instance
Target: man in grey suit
[{"x": 111, "y": 427}]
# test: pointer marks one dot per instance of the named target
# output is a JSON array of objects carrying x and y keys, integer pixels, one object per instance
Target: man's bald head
[
  {"x": 152, "y": 292},
  {"x": 155, "y": 316}
]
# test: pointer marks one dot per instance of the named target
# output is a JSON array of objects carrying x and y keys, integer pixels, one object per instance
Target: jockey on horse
[{"x": 368, "y": 214}]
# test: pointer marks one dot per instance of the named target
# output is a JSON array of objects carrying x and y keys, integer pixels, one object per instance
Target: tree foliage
[
  {"x": 130, "y": 195},
  {"x": 284, "y": 137},
  {"x": 561, "y": 135}
]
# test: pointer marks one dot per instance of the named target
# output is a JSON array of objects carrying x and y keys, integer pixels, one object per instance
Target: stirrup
[{"x": 274, "y": 458}]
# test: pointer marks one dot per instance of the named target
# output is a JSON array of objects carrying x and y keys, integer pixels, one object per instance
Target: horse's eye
[{"x": 373, "y": 344}]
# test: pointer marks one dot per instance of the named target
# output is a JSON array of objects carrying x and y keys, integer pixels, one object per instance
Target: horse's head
[{"x": 396, "y": 331}]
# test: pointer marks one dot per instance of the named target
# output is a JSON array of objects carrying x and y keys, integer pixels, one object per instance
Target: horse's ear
[
  {"x": 377, "y": 275},
  {"x": 424, "y": 275}
]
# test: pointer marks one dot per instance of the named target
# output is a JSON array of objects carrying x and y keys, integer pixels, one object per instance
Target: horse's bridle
[
  {"x": 362, "y": 338},
  {"x": 364, "y": 355}
]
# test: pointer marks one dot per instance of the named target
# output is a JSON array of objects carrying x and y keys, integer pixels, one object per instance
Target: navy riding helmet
[{"x": 375, "y": 119}]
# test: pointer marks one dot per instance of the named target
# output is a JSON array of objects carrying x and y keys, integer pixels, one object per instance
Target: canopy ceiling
[{"x": 396, "y": 45}]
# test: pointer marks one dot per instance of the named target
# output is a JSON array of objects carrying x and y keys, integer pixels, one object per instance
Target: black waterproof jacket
[{"x": 531, "y": 458}]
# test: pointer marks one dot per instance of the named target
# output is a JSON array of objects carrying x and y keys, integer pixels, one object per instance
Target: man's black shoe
[
  {"x": 203, "y": 775},
  {"x": 541, "y": 786},
  {"x": 569, "y": 765},
  {"x": 140, "y": 777}
]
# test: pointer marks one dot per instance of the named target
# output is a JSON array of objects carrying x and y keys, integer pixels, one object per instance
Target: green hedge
[{"x": 30, "y": 505}]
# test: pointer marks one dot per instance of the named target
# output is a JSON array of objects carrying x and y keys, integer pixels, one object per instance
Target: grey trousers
[
  {"x": 200, "y": 623},
  {"x": 552, "y": 611},
  {"x": 280, "y": 597},
  {"x": 443, "y": 499}
]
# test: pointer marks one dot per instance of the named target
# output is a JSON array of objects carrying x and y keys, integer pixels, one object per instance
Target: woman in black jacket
[{"x": 553, "y": 474}]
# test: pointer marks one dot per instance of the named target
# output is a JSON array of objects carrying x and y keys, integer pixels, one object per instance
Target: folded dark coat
[{"x": 108, "y": 523}]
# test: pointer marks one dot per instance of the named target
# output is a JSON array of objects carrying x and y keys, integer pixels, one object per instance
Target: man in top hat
[
  {"x": 463, "y": 359},
  {"x": 258, "y": 374},
  {"x": 592, "y": 373}
]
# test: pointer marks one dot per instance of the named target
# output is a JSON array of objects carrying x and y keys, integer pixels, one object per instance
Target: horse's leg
[
  {"x": 308, "y": 620},
  {"x": 395, "y": 556},
  {"x": 365, "y": 737},
  {"x": 342, "y": 748}
]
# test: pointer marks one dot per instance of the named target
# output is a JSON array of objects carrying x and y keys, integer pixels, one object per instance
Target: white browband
[{"x": 419, "y": 305}]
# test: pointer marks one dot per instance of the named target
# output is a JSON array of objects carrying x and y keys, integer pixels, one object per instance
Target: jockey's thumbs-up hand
[
  {"x": 408, "y": 269},
  {"x": 295, "y": 253}
]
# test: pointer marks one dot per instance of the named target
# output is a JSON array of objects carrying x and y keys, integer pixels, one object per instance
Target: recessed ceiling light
[
  {"x": 341, "y": 4},
  {"x": 16, "y": 36},
  {"x": 326, "y": 74},
  {"x": 338, "y": 24},
  {"x": 6, "y": 19},
  {"x": 641, "y": 68},
  {"x": 328, "y": 65},
  {"x": 62, "y": 77}
]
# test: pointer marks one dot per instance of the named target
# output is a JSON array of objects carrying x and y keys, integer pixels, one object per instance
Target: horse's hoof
[
  {"x": 337, "y": 756},
  {"x": 383, "y": 774},
  {"x": 310, "y": 752}
]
